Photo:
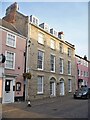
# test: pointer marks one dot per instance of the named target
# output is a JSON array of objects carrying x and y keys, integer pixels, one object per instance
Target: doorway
[{"x": 62, "y": 89}]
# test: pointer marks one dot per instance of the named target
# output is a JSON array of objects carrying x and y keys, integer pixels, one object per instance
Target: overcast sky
[{"x": 69, "y": 17}]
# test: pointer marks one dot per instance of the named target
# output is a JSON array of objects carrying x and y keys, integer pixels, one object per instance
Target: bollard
[{"x": 29, "y": 103}]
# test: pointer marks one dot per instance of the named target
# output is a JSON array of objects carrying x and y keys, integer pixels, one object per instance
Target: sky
[{"x": 69, "y": 17}]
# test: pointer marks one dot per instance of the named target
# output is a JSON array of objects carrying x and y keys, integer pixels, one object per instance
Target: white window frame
[
  {"x": 79, "y": 72},
  {"x": 69, "y": 67},
  {"x": 79, "y": 61},
  {"x": 52, "y": 44},
  {"x": 40, "y": 92},
  {"x": 54, "y": 63},
  {"x": 13, "y": 60},
  {"x": 69, "y": 85},
  {"x": 61, "y": 47},
  {"x": 41, "y": 38},
  {"x": 8, "y": 33},
  {"x": 61, "y": 65},
  {"x": 42, "y": 61},
  {"x": 69, "y": 52}
]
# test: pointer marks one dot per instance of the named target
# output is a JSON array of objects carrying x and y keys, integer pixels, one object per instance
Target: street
[{"x": 60, "y": 107}]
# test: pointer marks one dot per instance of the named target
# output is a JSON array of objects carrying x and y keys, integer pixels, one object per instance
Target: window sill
[
  {"x": 61, "y": 72},
  {"x": 41, "y": 44},
  {"x": 11, "y": 46},
  {"x": 9, "y": 68},
  {"x": 39, "y": 69},
  {"x": 40, "y": 93},
  {"x": 52, "y": 71}
]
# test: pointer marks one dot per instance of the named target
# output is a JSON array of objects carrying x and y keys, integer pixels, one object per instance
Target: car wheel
[{"x": 88, "y": 97}]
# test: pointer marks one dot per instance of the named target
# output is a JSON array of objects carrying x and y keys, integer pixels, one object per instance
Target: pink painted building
[
  {"x": 82, "y": 74},
  {"x": 13, "y": 46}
]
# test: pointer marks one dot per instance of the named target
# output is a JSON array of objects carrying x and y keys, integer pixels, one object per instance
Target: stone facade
[
  {"x": 46, "y": 73},
  {"x": 54, "y": 83}
]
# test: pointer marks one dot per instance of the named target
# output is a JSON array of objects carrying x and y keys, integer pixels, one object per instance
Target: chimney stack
[
  {"x": 11, "y": 13},
  {"x": 85, "y": 57},
  {"x": 61, "y": 35}
]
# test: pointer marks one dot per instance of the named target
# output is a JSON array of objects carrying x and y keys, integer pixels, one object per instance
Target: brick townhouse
[
  {"x": 11, "y": 72},
  {"x": 82, "y": 71},
  {"x": 50, "y": 59}
]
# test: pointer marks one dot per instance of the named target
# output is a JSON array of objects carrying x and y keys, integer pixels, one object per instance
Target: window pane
[
  {"x": 40, "y": 84},
  {"x": 52, "y": 63},
  {"x": 61, "y": 65},
  {"x": 40, "y": 59},
  {"x": 41, "y": 38},
  {"x": 52, "y": 44},
  {"x": 69, "y": 67},
  {"x": 61, "y": 48},
  {"x": 9, "y": 60},
  {"x": 11, "y": 40},
  {"x": 69, "y": 85}
]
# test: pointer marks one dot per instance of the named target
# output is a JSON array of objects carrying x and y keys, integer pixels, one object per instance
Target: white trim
[
  {"x": 13, "y": 61},
  {"x": 69, "y": 52},
  {"x": 70, "y": 67},
  {"x": 52, "y": 44},
  {"x": 41, "y": 38},
  {"x": 7, "y": 38},
  {"x": 62, "y": 64},
  {"x": 62, "y": 85},
  {"x": 61, "y": 44},
  {"x": 42, "y": 61},
  {"x": 79, "y": 74},
  {"x": 11, "y": 93},
  {"x": 54, "y": 63},
  {"x": 42, "y": 85},
  {"x": 69, "y": 85}
]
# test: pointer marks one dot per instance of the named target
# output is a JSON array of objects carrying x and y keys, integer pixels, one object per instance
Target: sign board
[{"x": 2, "y": 58}]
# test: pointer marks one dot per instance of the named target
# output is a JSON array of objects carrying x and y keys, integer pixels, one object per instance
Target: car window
[
  {"x": 89, "y": 89},
  {"x": 83, "y": 89}
]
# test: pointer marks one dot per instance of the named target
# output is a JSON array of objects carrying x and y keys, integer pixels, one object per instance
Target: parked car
[{"x": 83, "y": 92}]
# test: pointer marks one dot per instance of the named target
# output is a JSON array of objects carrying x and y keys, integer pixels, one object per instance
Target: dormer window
[
  {"x": 34, "y": 20},
  {"x": 44, "y": 26},
  {"x": 53, "y": 32}
]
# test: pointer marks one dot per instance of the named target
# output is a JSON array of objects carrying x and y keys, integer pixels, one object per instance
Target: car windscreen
[{"x": 83, "y": 89}]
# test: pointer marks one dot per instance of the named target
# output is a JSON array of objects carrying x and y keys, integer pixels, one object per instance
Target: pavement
[
  {"x": 37, "y": 102},
  {"x": 0, "y": 111},
  {"x": 64, "y": 107}
]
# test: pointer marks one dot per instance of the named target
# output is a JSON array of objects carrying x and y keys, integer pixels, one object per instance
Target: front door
[
  {"x": 8, "y": 92},
  {"x": 61, "y": 87},
  {"x": 52, "y": 89}
]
